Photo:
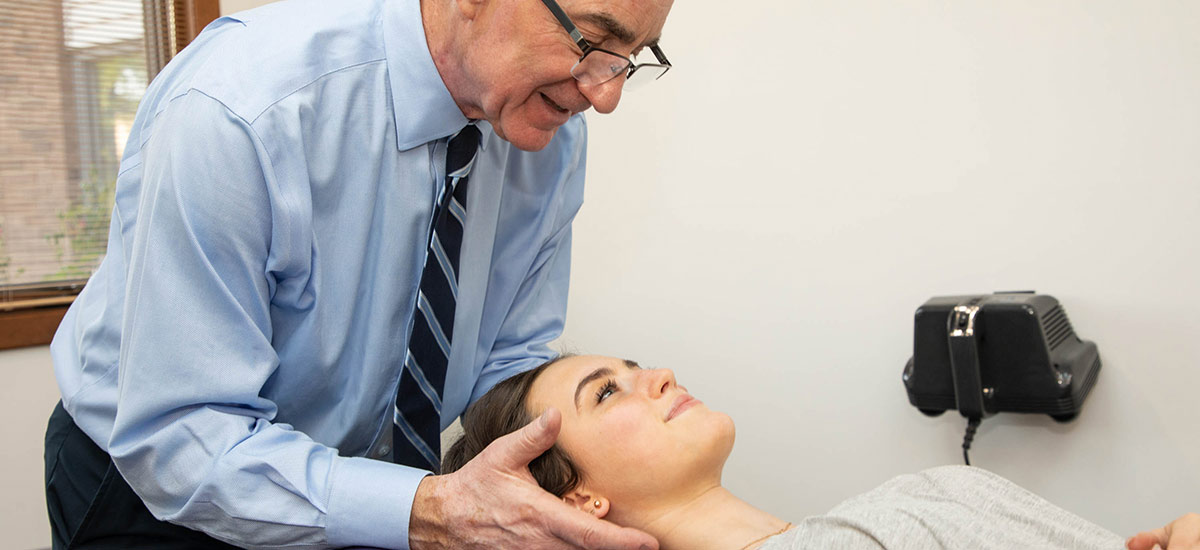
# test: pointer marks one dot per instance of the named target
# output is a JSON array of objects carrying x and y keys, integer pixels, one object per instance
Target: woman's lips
[{"x": 682, "y": 403}]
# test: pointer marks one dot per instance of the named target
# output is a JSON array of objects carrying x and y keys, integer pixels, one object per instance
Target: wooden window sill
[{"x": 32, "y": 326}]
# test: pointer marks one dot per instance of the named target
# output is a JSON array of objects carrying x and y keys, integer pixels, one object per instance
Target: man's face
[{"x": 519, "y": 65}]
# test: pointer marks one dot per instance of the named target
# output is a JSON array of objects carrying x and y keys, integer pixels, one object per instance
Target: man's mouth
[{"x": 552, "y": 104}]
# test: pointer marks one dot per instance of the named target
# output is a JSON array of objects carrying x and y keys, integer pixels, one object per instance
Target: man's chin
[{"x": 526, "y": 138}]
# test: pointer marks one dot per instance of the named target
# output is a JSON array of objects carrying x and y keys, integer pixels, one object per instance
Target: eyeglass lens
[
  {"x": 599, "y": 67},
  {"x": 643, "y": 76}
]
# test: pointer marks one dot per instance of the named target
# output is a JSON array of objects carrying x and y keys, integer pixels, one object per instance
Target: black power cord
[{"x": 972, "y": 425}]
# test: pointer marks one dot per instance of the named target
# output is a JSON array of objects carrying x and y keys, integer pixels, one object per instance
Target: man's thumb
[{"x": 519, "y": 448}]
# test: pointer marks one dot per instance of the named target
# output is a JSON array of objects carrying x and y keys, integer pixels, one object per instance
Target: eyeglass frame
[{"x": 587, "y": 47}]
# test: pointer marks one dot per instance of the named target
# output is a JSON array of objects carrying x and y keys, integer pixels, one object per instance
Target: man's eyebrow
[
  {"x": 611, "y": 26},
  {"x": 595, "y": 375},
  {"x": 632, "y": 364}
]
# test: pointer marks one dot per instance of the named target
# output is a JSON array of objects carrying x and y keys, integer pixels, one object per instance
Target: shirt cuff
[{"x": 370, "y": 503}]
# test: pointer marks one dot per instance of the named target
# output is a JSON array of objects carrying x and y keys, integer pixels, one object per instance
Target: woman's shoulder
[
  {"x": 952, "y": 480},
  {"x": 947, "y": 507}
]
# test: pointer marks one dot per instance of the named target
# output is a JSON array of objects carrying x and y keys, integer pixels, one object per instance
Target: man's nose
[{"x": 604, "y": 96}]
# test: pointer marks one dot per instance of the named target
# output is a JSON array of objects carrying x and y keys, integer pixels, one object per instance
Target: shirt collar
[{"x": 422, "y": 106}]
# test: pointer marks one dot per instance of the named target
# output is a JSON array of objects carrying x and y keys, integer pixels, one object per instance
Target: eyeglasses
[{"x": 598, "y": 65}]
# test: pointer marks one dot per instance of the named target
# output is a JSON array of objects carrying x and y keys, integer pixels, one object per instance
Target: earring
[{"x": 596, "y": 504}]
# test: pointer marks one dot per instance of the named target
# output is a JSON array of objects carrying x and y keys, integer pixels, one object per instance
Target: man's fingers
[
  {"x": 516, "y": 450},
  {"x": 589, "y": 533}
]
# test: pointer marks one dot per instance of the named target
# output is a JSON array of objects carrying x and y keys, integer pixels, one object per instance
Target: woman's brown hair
[{"x": 500, "y": 412}]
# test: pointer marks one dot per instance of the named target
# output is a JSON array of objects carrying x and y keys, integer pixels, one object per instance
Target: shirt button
[{"x": 384, "y": 450}]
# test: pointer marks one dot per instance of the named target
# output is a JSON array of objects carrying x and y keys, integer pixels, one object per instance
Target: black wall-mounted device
[{"x": 1002, "y": 352}]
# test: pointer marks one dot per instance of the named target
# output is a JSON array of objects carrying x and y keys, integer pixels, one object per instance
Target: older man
[{"x": 336, "y": 225}]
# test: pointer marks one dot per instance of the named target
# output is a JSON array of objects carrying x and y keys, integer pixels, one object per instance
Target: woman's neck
[{"x": 713, "y": 519}]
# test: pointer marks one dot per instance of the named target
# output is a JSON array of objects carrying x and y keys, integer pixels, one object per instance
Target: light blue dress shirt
[{"x": 238, "y": 350}]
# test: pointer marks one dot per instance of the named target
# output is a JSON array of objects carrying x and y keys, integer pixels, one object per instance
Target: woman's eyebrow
[{"x": 595, "y": 375}]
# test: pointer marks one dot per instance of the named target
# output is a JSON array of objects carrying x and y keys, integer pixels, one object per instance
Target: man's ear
[{"x": 584, "y": 500}]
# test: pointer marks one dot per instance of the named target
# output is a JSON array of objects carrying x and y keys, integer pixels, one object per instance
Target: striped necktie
[{"x": 416, "y": 435}]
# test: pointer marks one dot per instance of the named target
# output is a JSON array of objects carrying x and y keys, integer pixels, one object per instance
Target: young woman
[{"x": 636, "y": 449}]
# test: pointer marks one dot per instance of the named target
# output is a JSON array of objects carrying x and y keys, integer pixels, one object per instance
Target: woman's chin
[
  {"x": 718, "y": 433},
  {"x": 705, "y": 460},
  {"x": 724, "y": 435},
  {"x": 730, "y": 432},
  {"x": 693, "y": 464}
]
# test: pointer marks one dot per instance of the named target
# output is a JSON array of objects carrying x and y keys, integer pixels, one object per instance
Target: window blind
[{"x": 71, "y": 75}]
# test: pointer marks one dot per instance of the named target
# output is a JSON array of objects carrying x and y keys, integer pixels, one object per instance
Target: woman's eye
[{"x": 606, "y": 391}]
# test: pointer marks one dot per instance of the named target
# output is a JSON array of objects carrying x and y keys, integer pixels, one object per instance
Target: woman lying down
[{"x": 636, "y": 449}]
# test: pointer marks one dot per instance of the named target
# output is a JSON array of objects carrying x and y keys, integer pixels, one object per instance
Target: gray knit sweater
[{"x": 948, "y": 507}]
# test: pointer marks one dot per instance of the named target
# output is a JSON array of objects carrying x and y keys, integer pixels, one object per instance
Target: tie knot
[{"x": 461, "y": 150}]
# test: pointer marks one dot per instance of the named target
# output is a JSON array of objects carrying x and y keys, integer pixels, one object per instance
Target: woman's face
[{"x": 639, "y": 440}]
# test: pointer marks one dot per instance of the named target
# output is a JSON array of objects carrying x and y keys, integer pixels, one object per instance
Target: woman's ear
[{"x": 583, "y": 500}]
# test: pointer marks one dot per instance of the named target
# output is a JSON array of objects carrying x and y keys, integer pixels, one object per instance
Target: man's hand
[
  {"x": 1181, "y": 534},
  {"x": 493, "y": 502}
]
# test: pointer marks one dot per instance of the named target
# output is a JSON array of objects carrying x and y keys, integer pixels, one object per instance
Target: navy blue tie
[{"x": 416, "y": 435}]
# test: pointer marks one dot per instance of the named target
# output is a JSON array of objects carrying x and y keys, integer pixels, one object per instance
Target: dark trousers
[{"x": 91, "y": 506}]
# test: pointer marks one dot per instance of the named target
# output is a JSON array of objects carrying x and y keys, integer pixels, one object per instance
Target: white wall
[
  {"x": 233, "y": 6},
  {"x": 767, "y": 218},
  {"x": 27, "y": 397}
]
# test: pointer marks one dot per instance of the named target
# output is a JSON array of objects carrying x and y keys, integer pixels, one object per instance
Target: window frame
[{"x": 30, "y": 313}]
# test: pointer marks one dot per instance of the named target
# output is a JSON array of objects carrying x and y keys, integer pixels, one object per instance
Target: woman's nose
[
  {"x": 659, "y": 381},
  {"x": 604, "y": 96}
]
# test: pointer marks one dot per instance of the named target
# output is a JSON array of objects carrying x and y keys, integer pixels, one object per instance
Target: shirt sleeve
[
  {"x": 192, "y": 435},
  {"x": 538, "y": 312}
]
